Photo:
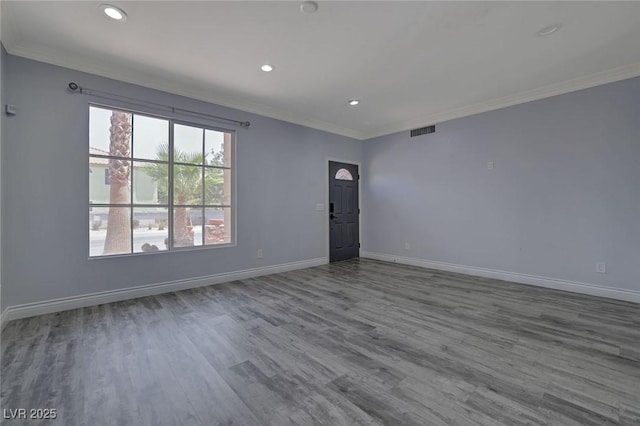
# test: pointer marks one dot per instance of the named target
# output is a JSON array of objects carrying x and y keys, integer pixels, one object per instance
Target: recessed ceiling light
[
  {"x": 549, "y": 29},
  {"x": 267, "y": 68},
  {"x": 113, "y": 12},
  {"x": 354, "y": 102},
  {"x": 308, "y": 7}
]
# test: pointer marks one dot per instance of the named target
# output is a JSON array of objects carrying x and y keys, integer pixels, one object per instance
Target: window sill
[{"x": 175, "y": 250}]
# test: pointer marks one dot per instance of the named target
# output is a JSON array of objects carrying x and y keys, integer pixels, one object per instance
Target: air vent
[{"x": 423, "y": 131}]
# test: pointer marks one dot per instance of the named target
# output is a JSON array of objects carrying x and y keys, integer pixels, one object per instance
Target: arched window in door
[{"x": 343, "y": 174}]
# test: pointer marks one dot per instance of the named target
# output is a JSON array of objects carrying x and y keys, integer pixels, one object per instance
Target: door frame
[{"x": 327, "y": 231}]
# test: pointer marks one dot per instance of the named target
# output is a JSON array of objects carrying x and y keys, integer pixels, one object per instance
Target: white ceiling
[{"x": 410, "y": 63}]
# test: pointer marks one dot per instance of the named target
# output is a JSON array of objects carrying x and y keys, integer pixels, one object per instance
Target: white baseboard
[
  {"x": 3, "y": 319},
  {"x": 57, "y": 305},
  {"x": 557, "y": 284}
]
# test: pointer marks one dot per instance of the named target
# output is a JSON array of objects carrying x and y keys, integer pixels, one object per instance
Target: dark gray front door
[{"x": 344, "y": 235}]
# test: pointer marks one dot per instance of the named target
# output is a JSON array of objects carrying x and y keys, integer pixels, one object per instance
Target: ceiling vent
[{"x": 423, "y": 131}]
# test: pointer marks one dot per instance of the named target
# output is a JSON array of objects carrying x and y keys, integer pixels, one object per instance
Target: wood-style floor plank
[{"x": 359, "y": 342}]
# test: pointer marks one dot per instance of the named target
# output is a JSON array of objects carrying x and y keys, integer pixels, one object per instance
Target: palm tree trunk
[
  {"x": 118, "y": 239},
  {"x": 183, "y": 236}
]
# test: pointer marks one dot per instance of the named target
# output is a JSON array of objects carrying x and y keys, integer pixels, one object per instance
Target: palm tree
[
  {"x": 118, "y": 239},
  {"x": 187, "y": 187}
]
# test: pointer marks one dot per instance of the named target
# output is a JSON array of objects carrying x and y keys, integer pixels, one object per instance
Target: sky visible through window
[{"x": 149, "y": 134}]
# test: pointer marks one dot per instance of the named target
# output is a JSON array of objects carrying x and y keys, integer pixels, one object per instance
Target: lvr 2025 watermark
[{"x": 30, "y": 413}]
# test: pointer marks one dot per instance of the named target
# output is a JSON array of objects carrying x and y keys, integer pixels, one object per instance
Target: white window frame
[{"x": 172, "y": 121}]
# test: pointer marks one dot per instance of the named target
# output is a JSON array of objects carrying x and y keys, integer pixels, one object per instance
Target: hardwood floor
[{"x": 356, "y": 342}]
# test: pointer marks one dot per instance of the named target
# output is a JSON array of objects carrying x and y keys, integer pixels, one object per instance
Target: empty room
[{"x": 319, "y": 213}]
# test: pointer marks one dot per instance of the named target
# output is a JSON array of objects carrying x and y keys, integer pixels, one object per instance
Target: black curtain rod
[{"x": 75, "y": 88}]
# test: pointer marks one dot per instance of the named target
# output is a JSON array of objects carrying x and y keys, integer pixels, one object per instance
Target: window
[
  {"x": 156, "y": 184},
  {"x": 343, "y": 174}
]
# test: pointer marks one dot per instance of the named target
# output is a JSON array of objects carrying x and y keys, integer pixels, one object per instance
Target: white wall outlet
[
  {"x": 320, "y": 207},
  {"x": 489, "y": 165},
  {"x": 407, "y": 245},
  {"x": 259, "y": 253},
  {"x": 601, "y": 267}
]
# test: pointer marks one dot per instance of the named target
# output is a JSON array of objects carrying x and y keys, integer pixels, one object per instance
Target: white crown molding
[
  {"x": 143, "y": 79},
  {"x": 553, "y": 283},
  {"x": 63, "y": 304},
  {"x": 8, "y": 30},
  {"x": 585, "y": 82}
]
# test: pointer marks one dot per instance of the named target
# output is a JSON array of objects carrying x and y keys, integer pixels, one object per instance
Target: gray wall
[
  {"x": 564, "y": 193},
  {"x": 3, "y": 56},
  {"x": 281, "y": 176}
]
